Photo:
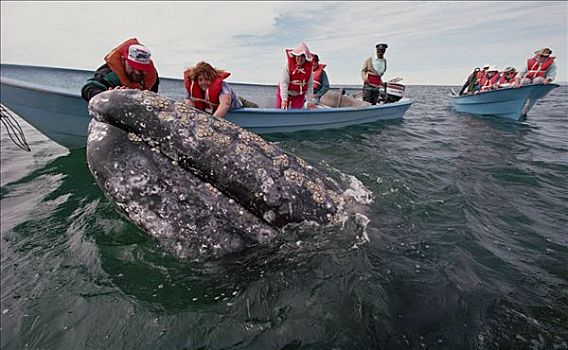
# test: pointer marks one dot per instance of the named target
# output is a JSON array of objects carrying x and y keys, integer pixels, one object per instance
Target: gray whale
[{"x": 203, "y": 186}]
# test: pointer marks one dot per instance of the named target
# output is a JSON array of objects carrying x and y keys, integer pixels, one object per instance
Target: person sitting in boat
[
  {"x": 507, "y": 78},
  {"x": 373, "y": 69},
  {"x": 127, "y": 66},
  {"x": 489, "y": 79},
  {"x": 297, "y": 80},
  {"x": 321, "y": 82},
  {"x": 540, "y": 69},
  {"x": 208, "y": 91},
  {"x": 471, "y": 84}
]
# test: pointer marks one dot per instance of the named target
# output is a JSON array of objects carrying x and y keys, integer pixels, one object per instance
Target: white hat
[
  {"x": 493, "y": 68},
  {"x": 486, "y": 65},
  {"x": 302, "y": 49},
  {"x": 138, "y": 57}
]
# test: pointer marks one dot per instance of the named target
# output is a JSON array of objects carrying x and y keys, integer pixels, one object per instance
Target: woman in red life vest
[
  {"x": 489, "y": 79},
  {"x": 208, "y": 91},
  {"x": 297, "y": 79},
  {"x": 507, "y": 78},
  {"x": 540, "y": 69}
]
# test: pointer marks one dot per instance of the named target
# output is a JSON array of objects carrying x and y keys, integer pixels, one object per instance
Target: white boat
[
  {"x": 50, "y": 100},
  {"x": 511, "y": 102}
]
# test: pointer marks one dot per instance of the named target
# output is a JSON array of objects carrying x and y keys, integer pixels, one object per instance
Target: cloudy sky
[{"x": 431, "y": 43}]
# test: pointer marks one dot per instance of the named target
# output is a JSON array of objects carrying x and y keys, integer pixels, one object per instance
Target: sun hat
[
  {"x": 381, "y": 46},
  {"x": 138, "y": 57},
  {"x": 493, "y": 68},
  {"x": 486, "y": 66},
  {"x": 302, "y": 49},
  {"x": 544, "y": 52},
  {"x": 510, "y": 69}
]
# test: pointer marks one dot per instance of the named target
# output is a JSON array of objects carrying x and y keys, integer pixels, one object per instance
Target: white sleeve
[{"x": 284, "y": 82}]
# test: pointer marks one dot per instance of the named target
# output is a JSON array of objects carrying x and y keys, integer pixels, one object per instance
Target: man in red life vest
[
  {"x": 540, "y": 69},
  {"x": 471, "y": 84},
  {"x": 321, "y": 82},
  {"x": 297, "y": 80},
  {"x": 373, "y": 69},
  {"x": 489, "y": 79},
  {"x": 507, "y": 78},
  {"x": 127, "y": 66}
]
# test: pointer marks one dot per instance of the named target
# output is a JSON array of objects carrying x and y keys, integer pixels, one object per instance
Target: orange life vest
[
  {"x": 486, "y": 83},
  {"x": 114, "y": 60},
  {"x": 299, "y": 76},
  {"x": 503, "y": 78},
  {"x": 536, "y": 69},
  {"x": 317, "y": 75},
  {"x": 479, "y": 75},
  {"x": 208, "y": 100}
]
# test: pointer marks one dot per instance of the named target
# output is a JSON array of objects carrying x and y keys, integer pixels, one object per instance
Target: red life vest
[
  {"x": 374, "y": 79},
  {"x": 317, "y": 75},
  {"x": 115, "y": 63},
  {"x": 208, "y": 100},
  {"x": 503, "y": 78},
  {"x": 299, "y": 76},
  {"x": 536, "y": 69},
  {"x": 485, "y": 83},
  {"x": 479, "y": 75}
]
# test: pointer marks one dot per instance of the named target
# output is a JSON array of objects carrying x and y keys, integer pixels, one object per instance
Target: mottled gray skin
[
  {"x": 189, "y": 217},
  {"x": 270, "y": 183}
]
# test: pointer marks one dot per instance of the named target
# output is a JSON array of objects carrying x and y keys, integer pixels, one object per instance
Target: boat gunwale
[
  {"x": 41, "y": 88},
  {"x": 486, "y": 93}
]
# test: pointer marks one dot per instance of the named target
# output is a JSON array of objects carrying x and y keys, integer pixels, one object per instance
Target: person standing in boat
[
  {"x": 297, "y": 80},
  {"x": 540, "y": 69},
  {"x": 321, "y": 82},
  {"x": 127, "y": 66},
  {"x": 507, "y": 78},
  {"x": 373, "y": 69},
  {"x": 208, "y": 91}
]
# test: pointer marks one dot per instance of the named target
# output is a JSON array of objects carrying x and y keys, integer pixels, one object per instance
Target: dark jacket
[{"x": 103, "y": 80}]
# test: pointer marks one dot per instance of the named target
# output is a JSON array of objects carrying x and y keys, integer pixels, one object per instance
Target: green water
[{"x": 466, "y": 247}]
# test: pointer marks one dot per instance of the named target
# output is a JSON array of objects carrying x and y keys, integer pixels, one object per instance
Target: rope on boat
[{"x": 13, "y": 128}]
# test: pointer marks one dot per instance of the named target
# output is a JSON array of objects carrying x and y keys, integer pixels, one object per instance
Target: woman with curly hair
[{"x": 208, "y": 91}]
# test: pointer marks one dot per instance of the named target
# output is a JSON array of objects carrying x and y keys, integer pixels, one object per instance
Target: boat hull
[
  {"x": 61, "y": 114},
  {"x": 62, "y": 118},
  {"x": 265, "y": 121},
  {"x": 510, "y": 103}
]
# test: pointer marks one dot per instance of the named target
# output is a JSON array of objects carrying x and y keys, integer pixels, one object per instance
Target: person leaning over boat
[
  {"x": 507, "y": 78},
  {"x": 471, "y": 84},
  {"x": 540, "y": 69},
  {"x": 208, "y": 91},
  {"x": 373, "y": 69},
  {"x": 127, "y": 66},
  {"x": 321, "y": 82},
  {"x": 489, "y": 79},
  {"x": 297, "y": 80}
]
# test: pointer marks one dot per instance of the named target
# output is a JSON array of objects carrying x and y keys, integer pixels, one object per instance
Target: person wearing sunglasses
[
  {"x": 540, "y": 69},
  {"x": 507, "y": 78}
]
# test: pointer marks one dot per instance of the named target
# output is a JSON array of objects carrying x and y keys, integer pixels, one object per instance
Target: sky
[{"x": 430, "y": 43}]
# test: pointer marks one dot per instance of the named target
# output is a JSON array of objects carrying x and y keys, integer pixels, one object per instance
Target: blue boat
[
  {"x": 49, "y": 99},
  {"x": 512, "y": 103}
]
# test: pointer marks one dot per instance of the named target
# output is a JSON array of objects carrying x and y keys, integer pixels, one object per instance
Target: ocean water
[{"x": 462, "y": 244}]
